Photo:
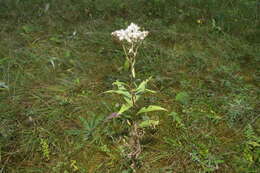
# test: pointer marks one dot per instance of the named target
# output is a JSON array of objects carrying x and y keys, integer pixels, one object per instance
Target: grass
[{"x": 56, "y": 63}]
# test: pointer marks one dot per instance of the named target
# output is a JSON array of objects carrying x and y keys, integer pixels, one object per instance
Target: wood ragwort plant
[{"x": 131, "y": 39}]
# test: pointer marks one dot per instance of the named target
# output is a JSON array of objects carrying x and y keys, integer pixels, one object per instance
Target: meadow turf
[{"x": 57, "y": 57}]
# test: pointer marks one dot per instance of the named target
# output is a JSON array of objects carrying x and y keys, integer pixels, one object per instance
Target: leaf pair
[
  {"x": 132, "y": 96},
  {"x": 151, "y": 108}
]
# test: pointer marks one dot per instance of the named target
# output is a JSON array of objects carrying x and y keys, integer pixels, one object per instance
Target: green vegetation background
[{"x": 56, "y": 57}]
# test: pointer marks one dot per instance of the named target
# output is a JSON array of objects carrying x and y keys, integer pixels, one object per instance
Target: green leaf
[
  {"x": 120, "y": 92},
  {"x": 182, "y": 97},
  {"x": 119, "y": 84},
  {"x": 124, "y": 108},
  {"x": 254, "y": 144},
  {"x": 149, "y": 123},
  {"x": 150, "y": 109},
  {"x": 150, "y": 91},
  {"x": 142, "y": 87},
  {"x": 128, "y": 101}
]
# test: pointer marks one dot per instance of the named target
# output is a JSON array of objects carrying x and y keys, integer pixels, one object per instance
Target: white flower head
[
  {"x": 132, "y": 28},
  {"x": 131, "y": 34}
]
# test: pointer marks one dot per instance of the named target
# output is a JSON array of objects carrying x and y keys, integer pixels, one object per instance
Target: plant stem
[{"x": 135, "y": 146}]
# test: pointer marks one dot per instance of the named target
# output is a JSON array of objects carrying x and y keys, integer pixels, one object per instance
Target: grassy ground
[{"x": 55, "y": 62}]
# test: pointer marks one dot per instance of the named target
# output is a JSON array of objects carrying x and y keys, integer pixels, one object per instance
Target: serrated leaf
[
  {"x": 128, "y": 101},
  {"x": 254, "y": 144},
  {"x": 121, "y": 92},
  {"x": 151, "y": 108},
  {"x": 124, "y": 108},
  {"x": 118, "y": 83},
  {"x": 142, "y": 87},
  {"x": 150, "y": 91},
  {"x": 149, "y": 123}
]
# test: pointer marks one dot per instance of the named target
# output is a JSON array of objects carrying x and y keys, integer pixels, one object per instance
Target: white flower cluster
[{"x": 131, "y": 34}]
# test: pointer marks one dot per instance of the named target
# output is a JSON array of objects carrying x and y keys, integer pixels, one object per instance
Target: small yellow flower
[
  {"x": 73, "y": 165},
  {"x": 128, "y": 122},
  {"x": 199, "y": 21}
]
